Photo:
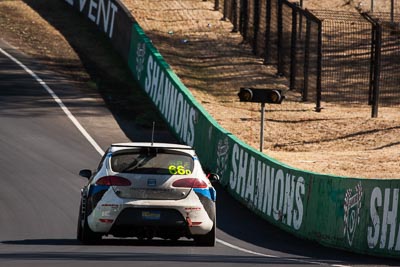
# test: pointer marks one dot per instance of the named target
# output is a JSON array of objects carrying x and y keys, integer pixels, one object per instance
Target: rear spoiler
[{"x": 149, "y": 146}]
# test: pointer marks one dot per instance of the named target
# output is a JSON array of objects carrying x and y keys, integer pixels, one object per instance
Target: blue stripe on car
[
  {"x": 206, "y": 192},
  {"x": 97, "y": 188}
]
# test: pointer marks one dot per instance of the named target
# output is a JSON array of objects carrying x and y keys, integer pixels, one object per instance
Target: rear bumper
[
  {"x": 148, "y": 218},
  {"x": 146, "y": 223}
]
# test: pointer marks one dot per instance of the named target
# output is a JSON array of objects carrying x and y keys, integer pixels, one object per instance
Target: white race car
[{"x": 147, "y": 190}]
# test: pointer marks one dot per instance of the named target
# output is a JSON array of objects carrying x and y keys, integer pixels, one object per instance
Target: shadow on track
[
  {"x": 162, "y": 258},
  {"x": 104, "y": 242},
  {"x": 132, "y": 255},
  {"x": 109, "y": 74}
]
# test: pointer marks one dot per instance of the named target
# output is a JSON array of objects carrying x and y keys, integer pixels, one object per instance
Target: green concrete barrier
[
  {"x": 354, "y": 214},
  {"x": 111, "y": 17}
]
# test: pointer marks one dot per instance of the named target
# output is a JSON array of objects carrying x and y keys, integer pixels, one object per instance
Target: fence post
[
  {"x": 280, "y": 37},
  {"x": 257, "y": 11},
  {"x": 293, "y": 48},
  {"x": 216, "y": 5},
  {"x": 244, "y": 18},
  {"x": 235, "y": 16},
  {"x": 225, "y": 11},
  {"x": 267, "y": 32},
  {"x": 304, "y": 93},
  {"x": 372, "y": 66},
  {"x": 377, "y": 69},
  {"x": 372, "y": 57},
  {"x": 375, "y": 64},
  {"x": 318, "y": 107}
]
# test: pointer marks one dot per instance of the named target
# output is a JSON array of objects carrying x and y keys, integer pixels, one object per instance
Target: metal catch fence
[
  {"x": 389, "y": 63},
  {"x": 346, "y": 57},
  {"x": 299, "y": 49},
  {"x": 327, "y": 55}
]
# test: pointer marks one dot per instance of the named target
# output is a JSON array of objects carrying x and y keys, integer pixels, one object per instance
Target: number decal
[
  {"x": 180, "y": 170},
  {"x": 172, "y": 169}
]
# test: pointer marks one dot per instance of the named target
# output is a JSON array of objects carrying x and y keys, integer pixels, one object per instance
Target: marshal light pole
[{"x": 271, "y": 96}]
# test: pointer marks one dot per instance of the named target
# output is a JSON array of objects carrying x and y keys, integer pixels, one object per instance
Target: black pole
[
  {"x": 256, "y": 23},
  {"x": 262, "y": 127},
  {"x": 216, "y": 5},
  {"x": 377, "y": 69},
  {"x": 391, "y": 12},
  {"x": 318, "y": 108},
  {"x": 372, "y": 64},
  {"x": 304, "y": 93},
  {"x": 280, "y": 37},
  {"x": 293, "y": 50},
  {"x": 267, "y": 33},
  {"x": 244, "y": 18},
  {"x": 225, "y": 12},
  {"x": 235, "y": 16},
  {"x": 375, "y": 64}
]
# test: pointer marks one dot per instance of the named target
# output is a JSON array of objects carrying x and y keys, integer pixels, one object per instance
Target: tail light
[
  {"x": 113, "y": 181},
  {"x": 190, "y": 183}
]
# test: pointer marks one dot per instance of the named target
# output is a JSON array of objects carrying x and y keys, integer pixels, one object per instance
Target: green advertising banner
[{"x": 355, "y": 214}]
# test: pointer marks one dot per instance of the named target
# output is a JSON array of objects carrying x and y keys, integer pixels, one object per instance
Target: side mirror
[
  {"x": 213, "y": 177},
  {"x": 85, "y": 173}
]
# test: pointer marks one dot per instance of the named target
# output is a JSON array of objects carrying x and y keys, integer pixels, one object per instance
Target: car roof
[{"x": 121, "y": 146}]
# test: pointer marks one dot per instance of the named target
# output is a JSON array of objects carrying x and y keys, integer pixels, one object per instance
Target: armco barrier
[{"x": 359, "y": 215}]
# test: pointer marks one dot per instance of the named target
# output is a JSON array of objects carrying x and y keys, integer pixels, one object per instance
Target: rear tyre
[
  {"x": 79, "y": 230},
  {"x": 207, "y": 240},
  {"x": 84, "y": 233}
]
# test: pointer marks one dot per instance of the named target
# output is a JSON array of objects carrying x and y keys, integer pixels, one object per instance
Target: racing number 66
[{"x": 178, "y": 170}]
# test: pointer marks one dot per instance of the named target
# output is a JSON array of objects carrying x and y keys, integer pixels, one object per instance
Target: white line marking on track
[
  {"x": 58, "y": 101},
  {"x": 244, "y": 250},
  {"x": 101, "y": 152},
  {"x": 273, "y": 256}
]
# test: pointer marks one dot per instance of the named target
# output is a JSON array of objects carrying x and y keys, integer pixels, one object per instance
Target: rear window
[{"x": 152, "y": 161}]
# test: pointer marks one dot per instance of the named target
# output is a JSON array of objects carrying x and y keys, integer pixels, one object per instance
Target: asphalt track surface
[{"x": 41, "y": 154}]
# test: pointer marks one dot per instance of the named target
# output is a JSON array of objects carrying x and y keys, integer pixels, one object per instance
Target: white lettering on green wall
[
  {"x": 171, "y": 103},
  {"x": 277, "y": 194},
  {"x": 384, "y": 228},
  {"x": 99, "y": 11}
]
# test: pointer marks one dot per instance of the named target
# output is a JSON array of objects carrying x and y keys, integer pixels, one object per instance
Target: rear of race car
[{"x": 149, "y": 192}]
